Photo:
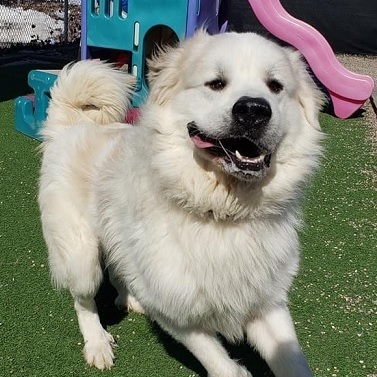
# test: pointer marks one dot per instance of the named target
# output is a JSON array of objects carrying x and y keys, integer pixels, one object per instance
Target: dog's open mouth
[{"x": 243, "y": 154}]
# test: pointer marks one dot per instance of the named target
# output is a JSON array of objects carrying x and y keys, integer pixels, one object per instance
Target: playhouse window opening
[
  {"x": 120, "y": 7},
  {"x": 95, "y": 6}
]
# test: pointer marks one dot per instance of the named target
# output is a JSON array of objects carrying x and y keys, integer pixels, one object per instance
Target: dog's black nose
[{"x": 252, "y": 111}]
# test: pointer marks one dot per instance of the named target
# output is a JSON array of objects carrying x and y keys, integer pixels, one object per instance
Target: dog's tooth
[{"x": 238, "y": 155}]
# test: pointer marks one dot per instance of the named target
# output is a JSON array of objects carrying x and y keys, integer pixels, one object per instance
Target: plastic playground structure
[{"x": 143, "y": 23}]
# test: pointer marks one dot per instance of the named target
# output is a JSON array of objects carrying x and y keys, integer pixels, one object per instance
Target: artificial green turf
[
  {"x": 333, "y": 300},
  {"x": 334, "y": 297}
]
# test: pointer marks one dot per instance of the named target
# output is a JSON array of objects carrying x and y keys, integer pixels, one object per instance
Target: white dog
[{"x": 195, "y": 210}]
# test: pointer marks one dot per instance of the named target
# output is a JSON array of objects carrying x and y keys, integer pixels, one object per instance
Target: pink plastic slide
[{"x": 348, "y": 90}]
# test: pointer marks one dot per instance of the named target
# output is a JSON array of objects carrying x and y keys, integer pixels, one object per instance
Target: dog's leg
[
  {"x": 209, "y": 351},
  {"x": 74, "y": 259},
  {"x": 274, "y": 336},
  {"x": 98, "y": 348},
  {"x": 86, "y": 277}
]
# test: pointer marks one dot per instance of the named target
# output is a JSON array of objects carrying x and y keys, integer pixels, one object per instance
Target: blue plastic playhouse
[{"x": 125, "y": 32}]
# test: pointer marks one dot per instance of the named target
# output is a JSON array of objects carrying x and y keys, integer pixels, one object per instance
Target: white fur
[{"x": 199, "y": 250}]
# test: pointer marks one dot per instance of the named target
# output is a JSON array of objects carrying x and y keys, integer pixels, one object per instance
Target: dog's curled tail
[{"x": 89, "y": 91}]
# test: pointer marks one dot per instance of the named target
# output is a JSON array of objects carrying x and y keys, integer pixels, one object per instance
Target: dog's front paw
[{"x": 99, "y": 351}]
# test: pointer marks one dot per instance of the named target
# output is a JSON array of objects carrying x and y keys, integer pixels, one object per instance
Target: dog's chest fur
[{"x": 193, "y": 271}]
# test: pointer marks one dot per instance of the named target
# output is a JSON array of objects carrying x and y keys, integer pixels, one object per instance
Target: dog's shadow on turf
[
  {"x": 110, "y": 315},
  {"x": 107, "y": 311},
  {"x": 241, "y": 352}
]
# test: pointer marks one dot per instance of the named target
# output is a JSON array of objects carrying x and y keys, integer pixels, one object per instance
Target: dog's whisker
[{"x": 226, "y": 152}]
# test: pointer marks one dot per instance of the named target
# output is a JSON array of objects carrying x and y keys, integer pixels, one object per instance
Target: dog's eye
[
  {"x": 275, "y": 86},
  {"x": 216, "y": 85}
]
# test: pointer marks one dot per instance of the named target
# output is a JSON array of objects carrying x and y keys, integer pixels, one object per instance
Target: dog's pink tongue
[{"x": 201, "y": 143}]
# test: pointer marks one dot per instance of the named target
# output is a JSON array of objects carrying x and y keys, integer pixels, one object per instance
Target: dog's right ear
[
  {"x": 164, "y": 73},
  {"x": 166, "y": 67}
]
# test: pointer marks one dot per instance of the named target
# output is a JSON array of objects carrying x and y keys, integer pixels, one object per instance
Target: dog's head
[
  {"x": 238, "y": 102},
  {"x": 239, "y": 95}
]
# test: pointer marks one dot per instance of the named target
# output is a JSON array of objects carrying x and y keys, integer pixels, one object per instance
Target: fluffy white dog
[{"x": 195, "y": 210}]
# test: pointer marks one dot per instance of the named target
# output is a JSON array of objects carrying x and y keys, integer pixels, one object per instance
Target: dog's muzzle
[{"x": 240, "y": 151}]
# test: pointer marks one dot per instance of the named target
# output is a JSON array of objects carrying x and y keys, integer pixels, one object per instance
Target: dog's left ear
[{"x": 309, "y": 95}]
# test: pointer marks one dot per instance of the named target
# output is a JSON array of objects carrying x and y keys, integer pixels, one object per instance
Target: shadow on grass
[
  {"x": 241, "y": 352},
  {"x": 107, "y": 311}
]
